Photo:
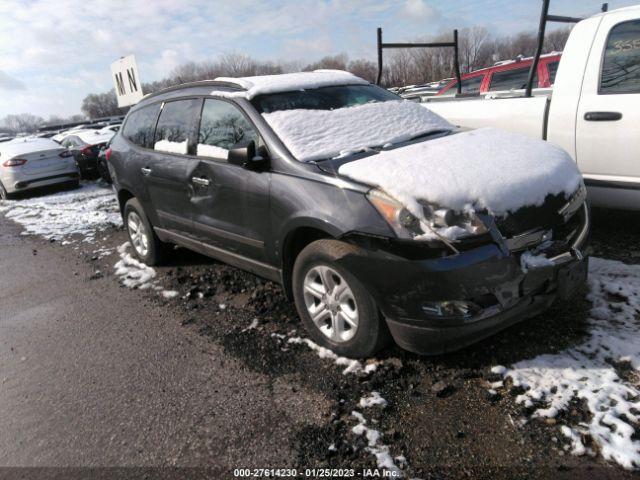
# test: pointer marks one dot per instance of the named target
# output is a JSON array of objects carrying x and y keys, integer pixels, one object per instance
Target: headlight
[
  {"x": 434, "y": 223},
  {"x": 401, "y": 220},
  {"x": 574, "y": 203}
]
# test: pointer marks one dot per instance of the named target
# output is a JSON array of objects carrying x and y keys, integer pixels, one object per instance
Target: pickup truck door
[{"x": 608, "y": 115}]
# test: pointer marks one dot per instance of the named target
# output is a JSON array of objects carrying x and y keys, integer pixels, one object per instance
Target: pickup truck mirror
[{"x": 246, "y": 156}]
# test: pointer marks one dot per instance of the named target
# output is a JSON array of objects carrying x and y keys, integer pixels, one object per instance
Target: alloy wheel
[
  {"x": 138, "y": 234},
  {"x": 330, "y": 303}
]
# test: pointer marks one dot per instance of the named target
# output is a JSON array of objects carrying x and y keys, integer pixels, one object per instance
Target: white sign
[{"x": 127, "y": 81}]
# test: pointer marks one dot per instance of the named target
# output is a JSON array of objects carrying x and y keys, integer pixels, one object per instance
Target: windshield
[
  {"x": 346, "y": 122},
  {"x": 325, "y": 98}
]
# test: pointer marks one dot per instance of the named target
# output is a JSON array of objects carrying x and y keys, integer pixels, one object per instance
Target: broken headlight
[
  {"x": 574, "y": 203},
  {"x": 434, "y": 223}
]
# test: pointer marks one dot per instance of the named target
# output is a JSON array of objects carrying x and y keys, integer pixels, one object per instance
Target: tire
[
  {"x": 146, "y": 244},
  {"x": 317, "y": 271},
  {"x": 4, "y": 195}
]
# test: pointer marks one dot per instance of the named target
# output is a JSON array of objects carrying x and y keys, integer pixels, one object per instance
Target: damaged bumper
[{"x": 438, "y": 305}]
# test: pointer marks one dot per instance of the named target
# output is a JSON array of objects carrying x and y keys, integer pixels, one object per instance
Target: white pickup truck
[{"x": 593, "y": 111}]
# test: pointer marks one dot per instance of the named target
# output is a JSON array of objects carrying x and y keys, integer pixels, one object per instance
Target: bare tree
[
  {"x": 364, "y": 69},
  {"x": 335, "y": 62},
  {"x": 23, "y": 122},
  {"x": 98, "y": 105}
]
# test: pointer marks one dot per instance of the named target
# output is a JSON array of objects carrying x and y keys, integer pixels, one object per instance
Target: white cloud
[{"x": 419, "y": 11}]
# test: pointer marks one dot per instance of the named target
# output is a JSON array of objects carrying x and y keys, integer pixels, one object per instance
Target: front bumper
[{"x": 489, "y": 276}]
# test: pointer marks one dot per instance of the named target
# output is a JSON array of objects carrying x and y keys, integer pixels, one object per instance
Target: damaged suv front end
[{"x": 437, "y": 300}]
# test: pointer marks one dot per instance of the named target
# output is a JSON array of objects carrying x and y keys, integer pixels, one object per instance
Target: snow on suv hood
[
  {"x": 484, "y": 168},
  {"x": 321, "y": 134}
]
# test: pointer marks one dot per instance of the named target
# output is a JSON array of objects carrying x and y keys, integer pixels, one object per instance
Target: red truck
[{"x": 507, "y": 75}]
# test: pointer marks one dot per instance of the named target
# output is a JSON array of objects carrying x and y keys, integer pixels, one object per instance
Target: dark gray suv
[{"x": 364, "y": 206}]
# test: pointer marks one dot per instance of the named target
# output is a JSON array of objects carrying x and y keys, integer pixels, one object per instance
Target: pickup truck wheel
[
  {"x": 336, "y": 309},
  {"x": 146, "y": 244}
]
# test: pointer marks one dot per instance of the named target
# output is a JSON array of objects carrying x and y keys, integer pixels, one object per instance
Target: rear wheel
[
  {"x": 4, "y": 195},
  {"x": 146, "y": 244},
  {"x": 337, "y": 310}
]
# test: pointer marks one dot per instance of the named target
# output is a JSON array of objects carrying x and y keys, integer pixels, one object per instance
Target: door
[
  {"x": 230, "y": 203},
  {"x": 166, "y": 170},
  {"x": 608, "y": 117}
]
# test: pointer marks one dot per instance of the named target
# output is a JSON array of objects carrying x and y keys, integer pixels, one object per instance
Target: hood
[{"x": 483, "y": 169}]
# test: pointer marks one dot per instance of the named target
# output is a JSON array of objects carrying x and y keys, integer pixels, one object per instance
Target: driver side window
[{"x": 222, "y": 128}]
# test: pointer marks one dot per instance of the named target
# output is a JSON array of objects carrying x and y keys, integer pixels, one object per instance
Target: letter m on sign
[{"x": 119, "y": 83}]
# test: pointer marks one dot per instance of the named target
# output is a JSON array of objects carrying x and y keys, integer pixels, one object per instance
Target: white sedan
[{"x": 28, "y": 163}]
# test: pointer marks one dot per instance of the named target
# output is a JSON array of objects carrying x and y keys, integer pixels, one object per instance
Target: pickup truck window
[
  {"x": 515, "y": 79},
  {"x": 621, "y": 66},
  {"x": 552, "y": 68},
  {"x": 469, "y": 85}
]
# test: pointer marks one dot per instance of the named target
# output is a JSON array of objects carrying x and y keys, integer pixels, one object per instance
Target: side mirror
[{"x": 245, "y": 155}]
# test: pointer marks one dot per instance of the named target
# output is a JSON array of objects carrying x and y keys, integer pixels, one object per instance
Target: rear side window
[
  {"x": 178, "y": 126},
  {"x": 140, "y": 126},
  {"x": 552, "y": 68},
  {"x": 515, "y": 79},
  {"x": 621, "y": 66},
  {"x": 222, "y": 128}
]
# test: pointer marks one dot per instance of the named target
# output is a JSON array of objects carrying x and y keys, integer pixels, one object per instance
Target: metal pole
[
  {"x": 536, "y": 58},
  {"x": 456, "y": 61},
  {"x": 379, "y": 56}
]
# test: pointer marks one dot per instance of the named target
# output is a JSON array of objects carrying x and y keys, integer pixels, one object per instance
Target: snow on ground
[
  {"x": 289, "y": 82},
  {"x": 136, "y": 275},
  {"x": 85, "y": 211},
  {"x": 373, "y": 436},
  {"x": 320, "y": 134},
  {"x": 603, "y": 372},
  {"x": 374, "y": 445},
  {"x": 352, "y": 366},
  {"x": 484, "y": 168}
]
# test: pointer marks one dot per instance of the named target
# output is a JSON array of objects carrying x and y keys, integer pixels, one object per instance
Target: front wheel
[
  {"x": 146, "y": 244},
  {"x": 336, "y": 309}
]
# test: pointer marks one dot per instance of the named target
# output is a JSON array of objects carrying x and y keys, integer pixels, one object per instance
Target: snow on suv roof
[
  {"x": 20, "y": 146},
  {"x": 288, "y": 82}
]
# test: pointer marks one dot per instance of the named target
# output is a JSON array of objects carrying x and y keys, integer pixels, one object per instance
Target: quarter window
[
  {"x": 178, "y": 126},
  {"x": 621, "y": 67},
  {"x": 140, "y": 126},
  {"x": 222, "y": 128}
]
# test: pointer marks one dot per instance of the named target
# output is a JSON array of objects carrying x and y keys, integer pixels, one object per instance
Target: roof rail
[
  {"x": 544, "y": 18},
  {"x": 198, "y": 83}
]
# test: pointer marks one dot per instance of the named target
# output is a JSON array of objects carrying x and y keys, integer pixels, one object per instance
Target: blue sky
[{"x": 54, "y": 52}]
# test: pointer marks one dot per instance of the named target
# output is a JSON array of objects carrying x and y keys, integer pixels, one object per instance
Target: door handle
[
  {"x": 205, "y": 182},
  {"x": 145, "y": 171},
  {"x": 602, "y": 116}
]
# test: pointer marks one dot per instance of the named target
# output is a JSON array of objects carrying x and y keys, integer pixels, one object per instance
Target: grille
[{"x": 545, "y": 216}]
